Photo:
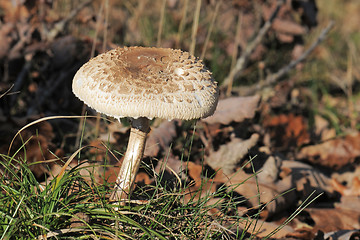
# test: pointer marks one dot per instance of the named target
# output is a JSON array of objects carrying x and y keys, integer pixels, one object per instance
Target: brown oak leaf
[
  {"x": 234, "y": 109},
  {"x": 334, "y": 153}
]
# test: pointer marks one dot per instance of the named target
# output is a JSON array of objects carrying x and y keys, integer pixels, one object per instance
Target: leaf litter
[{"x": 271, "y": 157}]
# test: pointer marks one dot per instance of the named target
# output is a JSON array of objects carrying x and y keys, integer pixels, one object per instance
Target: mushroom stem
[{"x": 134, "y": 153}]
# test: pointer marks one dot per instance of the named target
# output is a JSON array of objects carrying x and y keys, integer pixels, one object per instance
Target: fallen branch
[
  {"x": 272, "y": 78},
  {"x": 53, "y": 85},
  {"x": 60, "y": 26},
  {"x": 275, "y": 76},
  {"x": 7, "y": 92},
  {"x": 242, "y": 60}
]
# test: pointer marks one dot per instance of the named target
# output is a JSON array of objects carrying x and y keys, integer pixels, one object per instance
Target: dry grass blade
[
  {"x": 195, "y": 27},
  {"x": 7, "y": 91},
  {"x": 161, "y": 23},
  {"x": 182, "y": 24},
  {"x": 106, "y": 25},
  {"x": 60, "y": 232},
  {"x": 63, "y": 169},
  {"x": 98, "y": 115},
  {"x": 38, "y": 121},
  {"x": 92, "y": 54},
  {"x": 217, "y": 6}
]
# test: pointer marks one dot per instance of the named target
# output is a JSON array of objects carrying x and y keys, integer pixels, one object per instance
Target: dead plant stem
[
  {"x": 182, "y": 24},
  {"x": 234, "y": 53},
  {"x": 270, "y": 79},
  {"x": 161, "y": 23},
  {"x": 60, "y": 26},
  {"x": 213, "y": 18},
  {"x": 195, "y": 27},
  {"x": 242, "y": 60}
]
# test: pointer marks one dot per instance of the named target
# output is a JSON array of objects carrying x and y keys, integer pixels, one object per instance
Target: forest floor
[{"x": 283, "y": 144}]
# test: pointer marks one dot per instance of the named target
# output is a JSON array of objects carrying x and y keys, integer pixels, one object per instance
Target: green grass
[
  {"x": 29, "y": 209},
  {"x": 74, "y": 205}
]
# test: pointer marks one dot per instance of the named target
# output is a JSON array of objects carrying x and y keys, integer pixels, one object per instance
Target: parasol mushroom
[{"x": 145, "y": 83}]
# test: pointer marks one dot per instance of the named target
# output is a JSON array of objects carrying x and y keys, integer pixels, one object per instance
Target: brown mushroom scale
[
  {"x": 148, "y": 82},
  {"x": 143, "y": 83}
]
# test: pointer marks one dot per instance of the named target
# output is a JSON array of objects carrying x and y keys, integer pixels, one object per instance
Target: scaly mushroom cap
[{"x": 147, "y": 82}]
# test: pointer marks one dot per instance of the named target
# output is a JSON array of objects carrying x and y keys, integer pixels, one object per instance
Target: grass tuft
[{"x": 74, "y": 205}]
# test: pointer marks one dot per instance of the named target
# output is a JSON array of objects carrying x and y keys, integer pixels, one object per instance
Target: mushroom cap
[{"x": 147, "y": 82}]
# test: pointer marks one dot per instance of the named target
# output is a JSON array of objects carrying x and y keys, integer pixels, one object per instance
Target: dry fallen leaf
[
  {"x": 352, "y": 190},
  {"x": 254, "y": 191},
  {"x": 334, "y": 153},
  {"x": 305, "y": 178},
  {"x": 302, "y": 233},
  {"x": 287, "y": 130},
  {"x": 36, "y": 152},
  {"x": 328, "y": 220},
  {"x": 143, "y": 177},
  {"x": 270, "y": 170},
  {"x": 195, "y": 171},
  {"x": 343, "y": 235},
  {"x": 79, "y": 219},
  {"x": 14, "y": 11},
  {"x": 288, "y": 27},
  {"x": 230, "y": 154},
  {"x": 6, "y": 38},
  {"x": 160, "y": 138},
  {"x": 38, "y": 147},
  {"x": 322, "y": 129},
  {"x": 351, "y": 203},
  {"x": 234, "y": 109},
  {"x": 172, "y": 162},
  {"x": 346, "y": 177},
  {"x": 332, "y": 221}
]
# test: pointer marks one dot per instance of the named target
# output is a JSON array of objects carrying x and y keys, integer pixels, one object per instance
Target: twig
[
  {"x": 275, "y": 76},
  {"x": 52, "y": 86},
  {"x": 20, "y": 81},
  {"x": 60, "y": 26},
  {"x": 241, "y": 62},
  {"x": 25, "y": 35},
  {"x": 7, "y": 91}
]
